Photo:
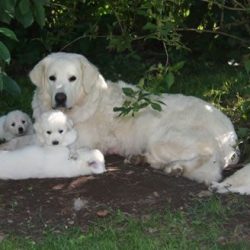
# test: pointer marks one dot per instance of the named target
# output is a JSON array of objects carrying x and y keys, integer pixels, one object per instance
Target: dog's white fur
[
  {"x": 49, "y": 162},
  {"x": 239, "y": 182},
  {"x": 49, "y": 154},
  {"x": 55, "y": 128},
  {"x": 16, "y": 123},
  {"x": 189, "y": 134},
  {"x": 51, "y": 128}
]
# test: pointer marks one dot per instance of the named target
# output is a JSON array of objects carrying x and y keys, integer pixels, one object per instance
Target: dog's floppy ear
[
  {"x": 90, "y": 75},
  {"x": 37, "y": 73}
]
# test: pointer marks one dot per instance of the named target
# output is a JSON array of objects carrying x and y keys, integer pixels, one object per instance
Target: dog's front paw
[
  {"x": 176, "y": 170},
  {"x": 219, "y": 187},
  {"x": 214, "y": 186}
]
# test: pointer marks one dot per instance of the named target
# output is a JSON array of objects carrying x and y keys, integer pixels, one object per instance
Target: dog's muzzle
[
  {"x": 60, "y": 99},
  {"x": 20, "y": 130}
]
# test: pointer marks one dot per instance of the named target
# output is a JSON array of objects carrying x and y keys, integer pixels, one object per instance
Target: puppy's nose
[
  {"x": 55, "y": 142},
  {"x": 60, "y": 99},
  {"x": 20, "y": 130}
]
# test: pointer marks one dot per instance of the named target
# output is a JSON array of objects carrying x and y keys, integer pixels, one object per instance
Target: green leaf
[
  {"x": 118, "y": 109},
  {"x": 8, "y": 33},
  {"x": 128, "y": 92},
  {"x": 177, "y": 66},
  {"x": 10, "y": 85},
  {"x": 150, "y": 26},
  {"x": 25, "y": 19},
  {"x": 39, "y": 13},
  {"x": 24, "y": 7},
  {"x": 156, "y": 106},
  {"x": 169, "y": 79},
  {"x": 243, "y": 132},
  {"x": 7, "y": 10},
  {"x": 4, "y": 53},
  {"x": 143, "y": 105}
]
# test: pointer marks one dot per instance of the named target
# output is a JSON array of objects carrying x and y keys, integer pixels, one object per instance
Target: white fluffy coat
[
  {"x": 51, "y": 128},
  {"x": 239, "y": 182},
  {"x": 49, "y": 162},
  {"x": 189, "y": 134},
  {"x": 16, "y": 123}
]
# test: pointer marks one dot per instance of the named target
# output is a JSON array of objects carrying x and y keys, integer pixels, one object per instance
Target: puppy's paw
[{"x": 73, "y": 155}]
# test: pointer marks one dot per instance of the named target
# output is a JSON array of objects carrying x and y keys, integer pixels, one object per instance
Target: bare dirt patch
[{"x": 30, "y": 207}]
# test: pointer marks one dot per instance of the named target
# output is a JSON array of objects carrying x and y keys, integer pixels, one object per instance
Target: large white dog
[{"x": 189, "y": 134}]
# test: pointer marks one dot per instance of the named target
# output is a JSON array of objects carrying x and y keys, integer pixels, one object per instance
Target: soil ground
[{"x": 30, "y": 207}]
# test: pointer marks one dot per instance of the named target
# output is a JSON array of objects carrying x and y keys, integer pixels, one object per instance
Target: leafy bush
[{"x": 25, "y": 12}]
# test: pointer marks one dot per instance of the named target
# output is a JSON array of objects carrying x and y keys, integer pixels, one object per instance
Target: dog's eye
[
  {"x": 48, "y": 132},
  {"x": 72, "y": 78},
  {"x": 60, "y": 131},
  {"x": 13, "y": 124},
  {"x": 52, "y": 78},
  {"x": 23, "y": 122}
]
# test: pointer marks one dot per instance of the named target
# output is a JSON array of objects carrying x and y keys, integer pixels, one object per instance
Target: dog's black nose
[
  {"x": 55, "y": 142},
  {"x": 60, "y": 99},
  {"x": 20, "y": 130}
]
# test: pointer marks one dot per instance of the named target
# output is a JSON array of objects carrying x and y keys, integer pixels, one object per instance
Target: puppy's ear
[
  {"x": 90, "y": 75},
  {"x": 37, "y": 73}
]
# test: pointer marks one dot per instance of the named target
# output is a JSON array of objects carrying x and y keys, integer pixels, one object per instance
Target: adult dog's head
[{"x": 65, "y": 80}]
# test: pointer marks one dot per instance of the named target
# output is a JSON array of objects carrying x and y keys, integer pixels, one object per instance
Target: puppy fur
[
  {"x": 49, "y": 162},
  {"x": 16, "y": 123},
  {"x": 51, "y": 128}
]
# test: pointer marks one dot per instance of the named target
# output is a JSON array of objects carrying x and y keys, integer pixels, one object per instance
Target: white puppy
[
  {"x": 51, "y": 128},
  {"x": 239, "y": 182},
  {"x": 54, "y": 128},
  {"x": 189, "y": 134},
  {"x": 16, "y": 123},
  {"x": 49, "y": 162}
]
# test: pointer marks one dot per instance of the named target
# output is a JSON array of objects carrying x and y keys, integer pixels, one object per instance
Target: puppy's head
[
  {"x": 94, "y": 159},
  {"x": 54, "y": 128},
  {"x": 66, "y": 78},
  {"x": 17, "y": 123}
]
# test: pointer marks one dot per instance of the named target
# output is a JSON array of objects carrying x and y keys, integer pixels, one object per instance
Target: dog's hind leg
[{"x": 192, "y": 161}]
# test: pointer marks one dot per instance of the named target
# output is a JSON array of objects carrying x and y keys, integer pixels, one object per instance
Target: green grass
[{"x": 200, "y": 226}]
